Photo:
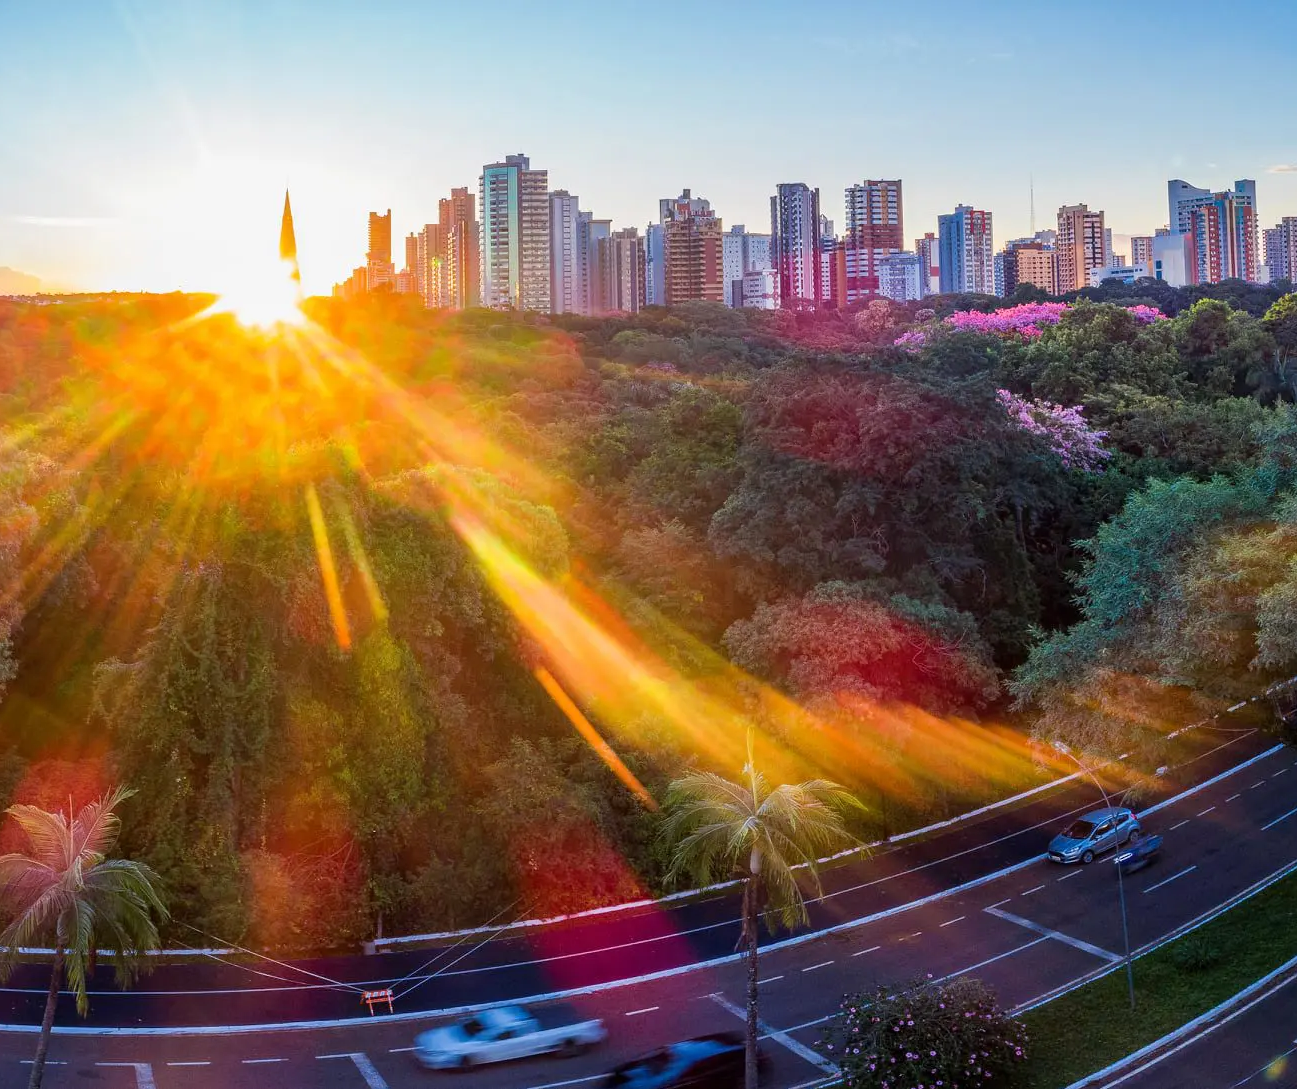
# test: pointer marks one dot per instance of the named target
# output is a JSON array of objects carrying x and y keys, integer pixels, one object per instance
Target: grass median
[{"x": 1093, "y": 1026}]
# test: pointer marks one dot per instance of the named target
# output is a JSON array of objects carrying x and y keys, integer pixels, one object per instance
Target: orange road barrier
[{"x": 373, "y": 998}]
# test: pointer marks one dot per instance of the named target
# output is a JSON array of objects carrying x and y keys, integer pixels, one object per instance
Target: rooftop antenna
[{"x": 1031, "y": 184}]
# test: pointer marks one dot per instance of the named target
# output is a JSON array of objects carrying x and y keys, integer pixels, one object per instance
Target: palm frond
[
  {"x": 96, "y": 826},
  {"x": 46, "y": 832}
]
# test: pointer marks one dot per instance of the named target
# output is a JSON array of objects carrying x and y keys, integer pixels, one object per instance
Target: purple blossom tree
[{"x": 1077, "y": 444}]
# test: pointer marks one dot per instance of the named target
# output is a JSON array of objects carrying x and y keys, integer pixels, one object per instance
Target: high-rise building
[
  {"x": 1141, "y": 250},
  {"x": 380, "y": 272},
  {"x": 655, "y": 265},
  {"x": 760, "y": 289},
  {"x": 930, "y": 252},
  {"x": 515, "y": 238},
  {"x": 1171, "y": 257},
  {"x": 1281, "y": 249},
  {"x": 1222, "y": 229},
  {"x": 692, "y": 250},
  {"x": 412, "y": 254},
  {"x": 967, "y": 251},
  {"x": 623, "y": 271},
  {"x": 902, "y": 277},
  {"x": 1028, "y": 261},
  {"x": 997, "y": 274},
  {"x": 796, "y": 244},
  {"x": 1078, "y": 247},
  {"x": 568, "y": 254},
  {"x": 875, "y": 227},
  {"x": 828, "y": 262},
  {"x": 741, "y": 253}
]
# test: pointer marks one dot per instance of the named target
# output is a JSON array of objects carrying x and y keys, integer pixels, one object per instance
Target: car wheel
[
  {"x": 572, "y": 1048},
  {"x": 1135, "y": 833},
  {"x": 1088, "y": 857},
  {"x": 466, "y": 1062}
]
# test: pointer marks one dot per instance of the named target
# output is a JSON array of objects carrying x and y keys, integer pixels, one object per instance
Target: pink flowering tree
[
  {"x": 927, "y": 1034},
  {"x": 1027, "y": 321},
  {"x": 1077, "y": 444}
]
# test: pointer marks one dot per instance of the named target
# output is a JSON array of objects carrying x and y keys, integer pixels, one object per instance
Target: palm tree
[
  {"x": 716, "y": 828},
  {"x": 69, "y": 893}
]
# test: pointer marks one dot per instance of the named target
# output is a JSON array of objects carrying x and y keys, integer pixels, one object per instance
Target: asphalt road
[
  {"x": 592, "y": 952},
  {"x": 1025, "y": 933}
]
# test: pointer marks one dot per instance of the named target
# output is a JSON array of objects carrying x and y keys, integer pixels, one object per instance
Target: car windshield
[
  {"x": 1079, "y": 830},
  {"x": 472, "y": 1027}
]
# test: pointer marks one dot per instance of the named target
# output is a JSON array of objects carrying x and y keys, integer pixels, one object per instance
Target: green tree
[
  {"x": 69, "y": 893},
  {"x": 716, "y": 828}
]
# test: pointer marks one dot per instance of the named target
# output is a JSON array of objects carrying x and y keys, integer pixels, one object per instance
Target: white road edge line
[
  {"x": 798, "y": 1049},
  {"x": 1057, "y": 935},
  {"x": 598, "y": 988},
  {"x": 1173, "y": 877},
  {"x": 1266, "y": 827}
]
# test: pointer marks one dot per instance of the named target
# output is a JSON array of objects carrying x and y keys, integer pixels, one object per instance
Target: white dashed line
[
  {"x": 1074, "y": 873},
  {"x": 1173, "y": 877},
  {"x": 768, "y": 979},
  {"x": 871, "y": 949},
  {"x": 1206, "y": 811},
  {"x": 400, "y": 1050},
  {"x": 1180, "y": 825},
  {"x": 206, "y": 1063},
  {"x": 646, "y": 1009},
  {"x": 1232, "y": 797},
  {"x": 822, "y": 964},
  {"x": 999, "y": 902},
  {"x": 1278, "y": 773},
  {"x": 1278, "y": 819},
  {"x": 1258, "y": 783},
  {"x": 255, "y": 1062},
  {"x": 1030, "y": 891},
  {"x": 952, "y": 922}
]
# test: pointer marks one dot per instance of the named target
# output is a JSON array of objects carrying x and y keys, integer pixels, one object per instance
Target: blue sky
[{"x": 146, "y": 145}]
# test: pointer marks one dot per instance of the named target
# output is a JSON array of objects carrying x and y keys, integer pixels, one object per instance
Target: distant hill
[{"x": 13, "y": 282}]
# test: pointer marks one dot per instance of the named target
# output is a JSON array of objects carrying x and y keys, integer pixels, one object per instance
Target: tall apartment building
[
  {"x": 741, "y": 253},
  {"x": 569, "y": 254},
  {"x": 796, "y": 245},
  {"x": 692, "y": 250},
  {"x": 828, "y": 262},
  {"x": 966, "y": 245},
  {"x": 875, "y": 227},
  {"x": 461, "y": 250},
  {"x": 1078, "y": 247},
  {"x": 1221, "y": 228},
  {"x": 380, "y": 272},
  {"x": 1141, "y": 249},
  {"x": 929, "y": 251},
  {"x": 1029, "y": 261},
  {"x": 1281, "y": 249},
  {"x": 655, "y": 265},
  {"x": 515, "y": 238},
  {"x": 622, "y": 266},
  {"x": 902, "y": 277}
]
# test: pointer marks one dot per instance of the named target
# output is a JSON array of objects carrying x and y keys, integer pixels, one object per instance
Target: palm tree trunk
[
  {"x": 751, "y": 919},
  {"x": 47, "y": 1022}
]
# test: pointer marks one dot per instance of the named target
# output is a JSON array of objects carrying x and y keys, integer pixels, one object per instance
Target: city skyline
[{"x": 177, "y": 125}]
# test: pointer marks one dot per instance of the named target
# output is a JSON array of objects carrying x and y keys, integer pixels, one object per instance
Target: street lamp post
[{"x": 1121, "y": 885}]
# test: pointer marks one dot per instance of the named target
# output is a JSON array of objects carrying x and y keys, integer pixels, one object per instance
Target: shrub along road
[{"x": 1026, "y": 933}]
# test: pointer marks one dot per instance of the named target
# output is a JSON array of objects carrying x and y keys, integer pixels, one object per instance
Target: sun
[{"x": 262, "y": 295}]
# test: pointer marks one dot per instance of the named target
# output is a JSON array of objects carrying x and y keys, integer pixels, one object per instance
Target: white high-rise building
[
  {"x": 796, "y": 244},
  {"x": 741, "y": 253},
  {"x": 902, "y": 277},
  {"x": 1221, "y": 228},
  {"x": 515, "y": 235},
  {"x": 655, "y": 265},
  {"x": 568, "y": 254}
]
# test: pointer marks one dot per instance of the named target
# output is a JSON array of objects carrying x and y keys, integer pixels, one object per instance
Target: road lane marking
[
  {"x": 636, "y": 1013},
  {"x": 1057, "y": 935},
  {"x": 798, "y": 1049},
  {"x": 1270, "y": 1067},
  {"x": 1278, "y": 773},
  {"x": 1258, "y": 783},
  {"x": 871, "y": 949},
  {"x": 957, "y": 919},
  {"x": 1030, "y": 891},
  {"x": 401, "y": 1050},
  {"x": 943, "y": 979},
  {"x": 48, "y": 1062},
  {"x": 372, "y": 1077},
  {"x": 999, "y": 902},
  {"x": 576, "y": 1081},
  {"x": 204, "y": 1063},
  {"x": 143, "y": 1074},
  {"x": 1278, "y": 819},
  {"x": 1233, "y": 796},
  {"x": 1074, "y": 873},
  {"x": 768, "y": 979},
  {"x": 255, "y": 1062},
  {"x": 822, "y": 964},
  {"x": 1173, "y": 877},
  {"x": 1180, "y": 825},
  {"x": 1206, "y": 811}
]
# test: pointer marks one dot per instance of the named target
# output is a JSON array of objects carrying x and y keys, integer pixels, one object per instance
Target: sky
[{"x": 147, "y": 145}]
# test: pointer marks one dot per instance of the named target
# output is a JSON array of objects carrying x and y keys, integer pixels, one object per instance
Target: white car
[{"x": 506, "y": 1032}]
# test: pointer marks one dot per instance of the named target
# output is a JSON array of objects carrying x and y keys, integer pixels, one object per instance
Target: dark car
[{"x": 705, "y": 1062}]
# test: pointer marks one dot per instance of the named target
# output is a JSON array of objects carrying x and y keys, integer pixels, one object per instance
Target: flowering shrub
[
  {"x": 950, "y": 1035},
  {"x": 1079, "y": 445},
  {"x": 1027, "y": 320}
]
